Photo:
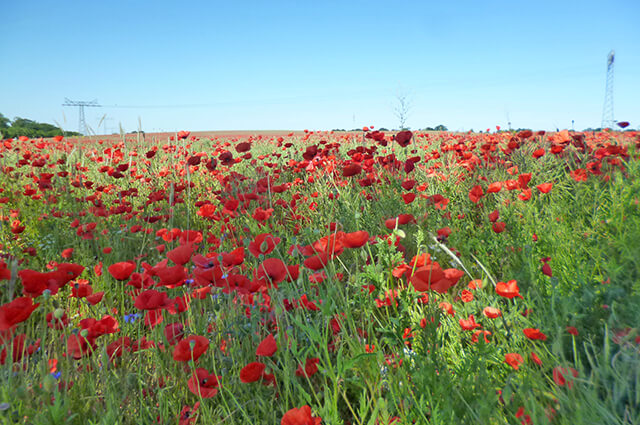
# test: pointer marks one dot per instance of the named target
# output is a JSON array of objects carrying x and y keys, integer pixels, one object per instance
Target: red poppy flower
[
  {"x": 493, "y": 216},
  {"x": 491, "y": 312},
  {"x": 401, "y": 219},
  {"x": 469, "y": 324},
  {"x": 538, "y": 153},
  {"x": 174, "y": 332},
  {"x": 572, "y": 330},
  {"x": 404, "y": 138},
  {"x": 475, "y": 194},
  {"x": 212, "y": 164},
  {"x": 203, "y": 384},
  {"x": 194, "y": 160},
  {"x": 494, "y": 187},
  {"x": 243, "y": 147},
  {"x": 499, "y": 227},
  {"x": 524, "y": 179},
  {"x": 545, "y": 187},
  {"x": 579, "y": 175},
  {"x": 181, "y": 255},
  {"x": 316, "y": 262},
  {"x": 466, "y": 296},
  {"x": 525, "y": 134},
  {"x": 261, "y": 215},
  {"x": 536, "y": 359},
  {"x": 445, "y": 232},
  {"x": 35, "y": 283},
  {"x": 425, "y": 275},
  {"x": 171, "y": 276},
  {"x": 77, "y": 346},
  {"x": 525, "y": 195},
  {"x": 508, "y": 290},
  {"x": 273, "y": 270},
  {"x": 122, "y": 271},
  {"x": 189, "y": 415},
  {"x": 267, "y": 347},
  {"x": 561, "y": 376},
  {"x": 117, "y": 347},
  {"x": 191, "y": 347},
  {"x": 532, "y": 333},
  {"x": 151, "y": 299},
  {"x": 351, "y": 170},
  {"x": 226, "y": 158},
  {"x": 183, "y": 134},
  {"x": 252, "y": 372},
  {"x": 300, "y": 416},
  {"x": 263, "y": 244},
  {"x": 16, "y": 311},
  {"x": 310, "y": 368},
  {"x": 355, "y": 239},
  {"x": 514, "y": 360}
]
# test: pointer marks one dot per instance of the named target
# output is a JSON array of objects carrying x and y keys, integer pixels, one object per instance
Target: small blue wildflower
[
  {"x": 56, "y": 375},
  {"x": 130, "y": 318}
]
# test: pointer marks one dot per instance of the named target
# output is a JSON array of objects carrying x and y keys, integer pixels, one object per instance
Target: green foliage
[{"x": 29, "y": 128}]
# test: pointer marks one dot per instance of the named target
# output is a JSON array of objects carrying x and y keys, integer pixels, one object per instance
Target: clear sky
[{"x": 319, "y": 65}]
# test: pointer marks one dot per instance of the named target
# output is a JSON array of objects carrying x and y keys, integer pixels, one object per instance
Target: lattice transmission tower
[
  {"x": 82, "y": 124},
  {"x": 607, "y": 109}
]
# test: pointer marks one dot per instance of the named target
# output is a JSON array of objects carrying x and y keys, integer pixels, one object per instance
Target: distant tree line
[
  {"x": 439, "y": 127},
  {"x": 26, "y": 127}
]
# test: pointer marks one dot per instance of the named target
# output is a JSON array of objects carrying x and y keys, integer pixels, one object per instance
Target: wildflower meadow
[{"x": 356, "y": 278}]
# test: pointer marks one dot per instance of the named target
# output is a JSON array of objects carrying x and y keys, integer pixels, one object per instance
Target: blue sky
[{"x": 318, "y": 65}]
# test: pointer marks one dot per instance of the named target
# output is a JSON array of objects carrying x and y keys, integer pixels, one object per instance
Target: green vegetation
[{"x": 29, "y": 128}]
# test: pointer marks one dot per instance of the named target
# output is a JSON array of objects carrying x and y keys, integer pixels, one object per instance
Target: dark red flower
[
  {"x": 16, "y": 311},
  {"x": 174, "y": 332},
  {"x": 263, "y": 244},
  {"x": 532, "y": 333},
  {"x": 122, "y": 270},
  {"x": 404, "y": 138},
  {"x": 310, "y": 368},
  {"x": 252, "y": 372},
  {"x": 563, "y": 376},
  {"x": 355, "y": 239},
  {"x": 189, "y": 348},
  {"x": 508, "y": 290},
  {"x": 514, "y": 360},
  {"x": 475, "y": 194},
  {"x": 351, "y": 170},
  {"x": 189, "y": 415},
  {"x": 151, "y": 299},
  {"x": 203, "y": 384},
  {"x": 273, "y": 270},
  {"x": 194, "y": 160},
  {"x": 181, "y": 255},
  {"x": 300, "y": 416},
  {"x": 267, "y": 347},
  {"x": 243, "y": 147}
]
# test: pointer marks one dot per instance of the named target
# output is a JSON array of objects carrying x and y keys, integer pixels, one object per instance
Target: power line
[{"x": 82, "y": 124}]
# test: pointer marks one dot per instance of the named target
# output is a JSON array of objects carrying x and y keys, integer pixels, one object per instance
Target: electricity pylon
[
  {"x": 82, "y": 124},
  {"x": 607, "y": 109}
]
